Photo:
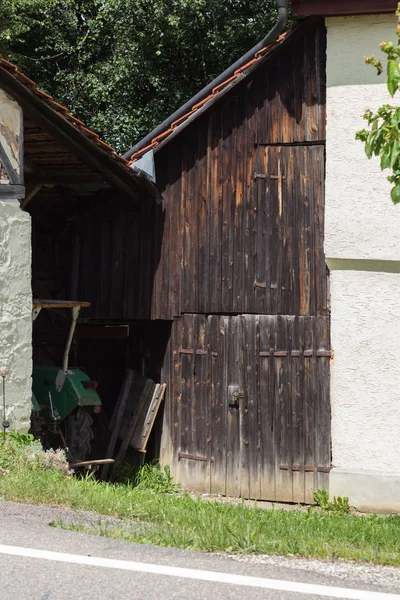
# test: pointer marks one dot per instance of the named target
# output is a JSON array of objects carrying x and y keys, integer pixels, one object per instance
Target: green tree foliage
[
  {"x": 382, "y": 138},
  {"x": 122, "y": 66}
]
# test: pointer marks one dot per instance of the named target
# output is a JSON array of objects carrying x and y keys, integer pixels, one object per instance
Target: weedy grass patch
[{"x": 154, "y": 510}]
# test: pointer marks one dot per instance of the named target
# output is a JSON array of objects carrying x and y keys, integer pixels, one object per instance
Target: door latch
[{"x": 236, "y": 397}]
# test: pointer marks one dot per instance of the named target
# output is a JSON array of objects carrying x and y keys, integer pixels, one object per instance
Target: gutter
[{"x": 280, "y": 26}]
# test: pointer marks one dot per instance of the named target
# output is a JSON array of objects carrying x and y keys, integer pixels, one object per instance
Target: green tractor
[{"x": 64, "y": 399}]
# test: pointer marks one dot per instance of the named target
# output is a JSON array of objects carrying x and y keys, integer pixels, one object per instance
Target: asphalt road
[{"x": 120, "y": 570}]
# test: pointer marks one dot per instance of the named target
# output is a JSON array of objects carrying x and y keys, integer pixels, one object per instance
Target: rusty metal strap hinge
[
  {"x": 192, "y": 457},
  {"x": 296, "y": 353},
  {"x": 306, "y": 468},
  {"x": 265, "y": 176},
  {"x": 188, "y": 351}
]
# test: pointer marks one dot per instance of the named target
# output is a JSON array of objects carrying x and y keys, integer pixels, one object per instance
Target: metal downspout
[{"x": 280, "y": 26}]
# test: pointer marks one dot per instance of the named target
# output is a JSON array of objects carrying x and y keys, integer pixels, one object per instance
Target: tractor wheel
[{"x": 79, "y": 435}]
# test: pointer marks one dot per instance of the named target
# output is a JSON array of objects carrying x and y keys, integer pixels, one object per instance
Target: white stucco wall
[
  {"x": 362, "y": 245},
  {"x": 361, "y": 221},
  {"x": 366, "y": 377},
  {"x": 15, "y": 282}
]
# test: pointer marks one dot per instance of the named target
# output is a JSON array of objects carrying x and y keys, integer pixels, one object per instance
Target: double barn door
[{"x": 253, "y": 412}]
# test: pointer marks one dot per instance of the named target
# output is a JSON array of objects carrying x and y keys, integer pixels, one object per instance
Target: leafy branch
[{"x": 382, "y": 138}]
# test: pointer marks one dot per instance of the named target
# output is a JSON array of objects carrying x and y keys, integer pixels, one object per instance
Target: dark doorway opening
[{"x": 106, "y": 350}]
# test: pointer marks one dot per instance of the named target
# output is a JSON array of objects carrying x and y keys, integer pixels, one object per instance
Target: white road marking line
[{"x": 214, "y": 576}]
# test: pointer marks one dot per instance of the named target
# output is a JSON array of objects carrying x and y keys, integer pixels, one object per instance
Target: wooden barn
[
  {"x": 212, "y": 279},
  {"x": 240, "y": 277},
  {"x": 215, "y": 283}
]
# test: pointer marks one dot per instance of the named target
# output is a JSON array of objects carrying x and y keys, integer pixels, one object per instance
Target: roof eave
[
  {"x": 326, "y": 8},
  {"x": 115, "y": 172}
]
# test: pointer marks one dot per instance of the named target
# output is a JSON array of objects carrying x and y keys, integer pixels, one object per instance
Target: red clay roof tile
[{"x": 217, "y": 90}]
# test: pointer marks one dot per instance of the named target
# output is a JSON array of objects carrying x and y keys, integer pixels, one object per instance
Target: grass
[{"x": 160, "y": 514}]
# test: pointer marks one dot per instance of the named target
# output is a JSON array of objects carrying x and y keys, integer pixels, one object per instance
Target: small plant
[
  {"x": 337, "y": 505},
  {"x": 150, "y": 477},
  {"x": 51, "y": 460},
  {"x": 21, "y": 439},
  {"x": 21, "y": 451},
  {"x": 154, "y": 477}
]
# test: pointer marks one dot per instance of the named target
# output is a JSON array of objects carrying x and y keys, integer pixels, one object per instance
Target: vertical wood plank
[
  {"x": 200, "y": 470},
  {"x": 218, "y": 405},
  {"x": 215, "y": 201},
  {"x": 228, "y": 186},
  {"x": 267, "y": 409},
  {"x": 232, "y": 383},
  {"x": 188, "y": 262},
  {"x": 288, "y": 162},
  {"x": 186, "y": 403},
  {"x": 283, "y": 471},
  {"x": 275, "y": 256},
  {"x": 317, "y": 160},
  {"x": 177, "y": 385},
  {"x": 246, "y": 402},
  {"x": 298, "y": 411},
  {"x": 249, "y": 206},
  {"x": 239, "y": 199},
  {"x": 262, "y": 283},
  {"x": 309, "y": 409},
  {"x": 251, "y": 433},
  {"x": 201, "y": 208}
]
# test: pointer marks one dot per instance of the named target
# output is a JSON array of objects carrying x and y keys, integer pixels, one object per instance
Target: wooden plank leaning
[
  {"x": 143, "y": 429},
  {"x": 147, "y": 390},
  {"x": 119, "y": 414}
]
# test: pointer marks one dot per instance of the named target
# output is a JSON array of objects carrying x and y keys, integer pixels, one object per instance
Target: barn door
[
  {"x": 253, "y": 411},
  {"x": 289, "y": 264},
  {"x": 254, "y": 414}
]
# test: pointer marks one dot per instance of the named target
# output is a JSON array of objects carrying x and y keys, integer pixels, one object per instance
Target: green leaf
[
  {"x": 393, "y": 74},
  {"x": 385, "y": 161},
  {"x": 394, "y": 154},
  {"x": 369, "y": 144},
  {"x": 395, "y": 194}
]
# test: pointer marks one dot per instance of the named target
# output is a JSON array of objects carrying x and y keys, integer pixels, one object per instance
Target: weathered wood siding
[
  {"x": 248, "y": 405},
  {"x": 240, "y": 229},
  {"x": 234, "y": 259},
  {"x": 243, "y": 195},
  {"x": 243, "y": 275},
  {"x": 116, "y": 251}
]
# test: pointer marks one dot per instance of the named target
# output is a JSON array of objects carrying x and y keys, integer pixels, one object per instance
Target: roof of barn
[
  {"x": 66, "y": 141},
  {"x": 197, "y": 109}
]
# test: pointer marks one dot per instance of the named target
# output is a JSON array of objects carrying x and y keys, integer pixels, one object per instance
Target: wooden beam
[
  {"x": 30, "y": 192},
  {"x": 11, "y": 192},
  {"x": 64, "y": 177},
  {"x": 14, "y": 177},
  {"x": 29, "y": 166},
  {"x": 59, "y": 304},
  {"x": 326, "y": 8}
]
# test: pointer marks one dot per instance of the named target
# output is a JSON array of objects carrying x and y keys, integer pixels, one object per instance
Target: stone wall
[
  {"x": 15, "y": 275},
  {"x": 16, "y": 311}
]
